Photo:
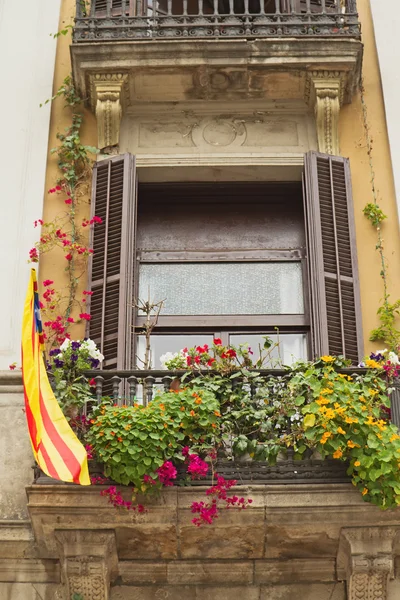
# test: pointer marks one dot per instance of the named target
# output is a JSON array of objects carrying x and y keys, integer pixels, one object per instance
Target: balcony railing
[
  {"x": 128, "y": 387},
  {"x": 124, "y": 20}
]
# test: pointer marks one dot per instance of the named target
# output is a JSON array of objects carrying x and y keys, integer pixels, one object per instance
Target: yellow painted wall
[
  {"x": 52, "y": 265},
  {"x": 353, "y": 145}
]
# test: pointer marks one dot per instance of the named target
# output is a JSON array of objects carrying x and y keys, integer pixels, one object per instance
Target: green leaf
[
  {"x": 299, "y": 401},
  {"x": 309, "y": 421}
]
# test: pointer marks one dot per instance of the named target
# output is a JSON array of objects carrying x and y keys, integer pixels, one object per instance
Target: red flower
[
  {"x": 38, "y": 222},
  {"x": 85, "y": 223},
  {"x": 92, "y": 382},
  {"x": 33, "y": 255},
  {"x": 13, "y": 366},
  {"x": 58, "y": 188},
  {"x": 68, "y": 201},
  {"x": 70, "y": 320},
  {"x": 87, "y": 293},
  {"x": 217, "y": 342},
  {"x": 85, "y": 316},
  {"x": 47, "y": 282},
  {"x": 210, "y": 362},
  {"x": 188, "y": 360},
  {"x": 68, "y": 256},
  {"x": 96, "y": 220}
]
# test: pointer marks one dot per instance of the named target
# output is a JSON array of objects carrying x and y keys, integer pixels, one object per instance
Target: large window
[
  {"x": 227, "y": 261},
  {"x": 234, "y": 261}
]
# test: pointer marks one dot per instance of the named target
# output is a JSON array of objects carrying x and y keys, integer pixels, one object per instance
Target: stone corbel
[
  {"x": 366, "y": 560},
  {"x": 108, "y": 95},
  {"x": 325, "y": 93},
  {"x": 89, "y": 562}
]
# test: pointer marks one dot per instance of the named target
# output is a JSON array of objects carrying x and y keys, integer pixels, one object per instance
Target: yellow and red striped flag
[{"x": 56, "y": 448}]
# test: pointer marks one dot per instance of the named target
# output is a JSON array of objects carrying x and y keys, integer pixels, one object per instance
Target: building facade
[{"x": 239, "y": 144}]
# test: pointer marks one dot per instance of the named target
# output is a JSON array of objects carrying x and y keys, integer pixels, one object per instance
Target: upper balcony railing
[{"x": 123, "y": 20}]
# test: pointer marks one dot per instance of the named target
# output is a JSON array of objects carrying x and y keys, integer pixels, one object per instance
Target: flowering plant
[
  {"x": 67, "y": 366},
  {"x": 217, "y": 357},
  {"x": 138, "y": 445}
]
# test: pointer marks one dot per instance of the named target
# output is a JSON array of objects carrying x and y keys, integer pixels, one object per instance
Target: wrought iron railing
[
  {"x": 119, "y": 20},
  {"x": 128, "y": 387}
]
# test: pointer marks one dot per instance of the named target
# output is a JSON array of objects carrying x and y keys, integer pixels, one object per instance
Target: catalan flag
[{"x": 56, "y": 448}]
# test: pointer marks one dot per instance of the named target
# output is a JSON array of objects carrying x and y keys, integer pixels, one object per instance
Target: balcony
[
  {"x": 127, "y": 56},
  {"x": 110, "y": 20}
]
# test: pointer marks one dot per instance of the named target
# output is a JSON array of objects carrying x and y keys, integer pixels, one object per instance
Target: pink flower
[
  {"x": 85, "y": 316},
  {"x": 70, "y": 320},
  {"x": 13, "y": 366},
  {"x": 68, "y": 201},
  {"x": 87, "y": 293},
  {"x": 38, "y": 222},
  {"x": 47, "y": 282},
  {"x": 96, "y": 220},
  {"x": 166, "y": 473},
  {"x": 68, "y": 256},
  {"x": 33, "y": 255}
]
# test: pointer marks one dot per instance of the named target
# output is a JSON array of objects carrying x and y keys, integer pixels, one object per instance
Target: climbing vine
[
  {"x": 388, "y": 311},
  {"x": 67, "y": 231}
]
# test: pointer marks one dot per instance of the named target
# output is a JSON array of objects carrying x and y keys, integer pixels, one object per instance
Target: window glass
[
  {"x": 161, "y": 344},
  {"x": 224, "y": 288},
  {"x": 292, "y": 347}
]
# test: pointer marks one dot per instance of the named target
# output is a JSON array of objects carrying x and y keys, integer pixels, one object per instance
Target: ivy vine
[{"x": 388, "y": 312}]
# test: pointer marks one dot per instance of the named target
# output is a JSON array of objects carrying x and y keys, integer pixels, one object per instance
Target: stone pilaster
[
  {"x": 325, "y": 92},
  {"x": 366, "y": 560},
  {"x": 108, "y": 92},
  {"x": 89, "y": 562}
]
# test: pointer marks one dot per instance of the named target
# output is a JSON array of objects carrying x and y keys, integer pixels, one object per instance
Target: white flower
[
  {"x": 381, "y": 351},
  {"x": 91, "y": 348},
  {"x": 167, "y": 357},
  {"x": 394, "y": 359},
  {"x": 64, "y": 346}
]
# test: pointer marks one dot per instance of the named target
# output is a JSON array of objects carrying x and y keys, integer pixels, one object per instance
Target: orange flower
[
  {"x": 365, "y": 491},
  {"x": 325, "y": 437},
  {"x": 351, "y": 444},
  {"x": 394, "y": 437},
  {"x": 357, "y": 463},
  {"x": 113, "y": 433},
  {"x": 182, "y": 408},
  {"x": 120, "y": 439},
  {"x": 340, "y": 430},
  {"x": 162, "y": 407},
  {"x": 213, "y": 425},
  {"x": 192, "y": 413},
  {"x": 217, "y": 413},
  {"x": 198, "y": 401},
  {"x": 101, "y": 433},
  {"x": 338, "y": 453}
]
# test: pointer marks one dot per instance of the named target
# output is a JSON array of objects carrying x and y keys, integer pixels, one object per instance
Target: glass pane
[
  {"x": 161, "y": 344},
  {"x": 292, "y": 347},
  {"x": 224, "y": 288}
]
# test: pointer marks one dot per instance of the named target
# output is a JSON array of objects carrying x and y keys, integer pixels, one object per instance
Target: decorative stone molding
[
  {"x": 89, "y": 562},
  {"x": 325, "y": 92},
  {"x": 108, "y": 94},
  {"x": 366, "y": 561}
]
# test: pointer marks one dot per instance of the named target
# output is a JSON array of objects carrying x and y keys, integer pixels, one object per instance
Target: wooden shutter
[
  {"x": 115, "y": 7},
  {"x": 332, "y": 259},
  {"x": 112, "y": 265}
]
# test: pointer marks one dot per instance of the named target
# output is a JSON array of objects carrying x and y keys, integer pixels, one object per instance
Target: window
[
  {"x": 225, "y": 258},
  {"x": 231, "y": 261}
]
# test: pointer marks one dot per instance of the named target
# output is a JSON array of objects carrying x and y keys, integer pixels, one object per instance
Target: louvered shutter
[
  {"x": 112, "y": 265},
  {"x": 332, "y": 259},
  {"x": 100, "y": 8}
]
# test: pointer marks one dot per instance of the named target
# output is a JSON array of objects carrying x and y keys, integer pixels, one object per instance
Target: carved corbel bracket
[
  {"x": 89, "y": 562},
  {"x": 325, "y": 93},
  {"x": 108, "y": 95},
  {"x": 366, "y": 561}
]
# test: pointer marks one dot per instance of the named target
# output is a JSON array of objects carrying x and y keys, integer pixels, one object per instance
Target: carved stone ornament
[
  {"x": 108, "y": 93},
  {"x": 366, "y": 559},
  {"x": 325, "y": 93},
  {"x": 89, "y": 563}
]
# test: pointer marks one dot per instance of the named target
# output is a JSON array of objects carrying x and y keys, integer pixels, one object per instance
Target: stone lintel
[
  {"x": 107, "y": 98},
  {"x": 325, "y": 94},
  {"x": 366, "y": 561},
  {"x": 89, "y": 562}
]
